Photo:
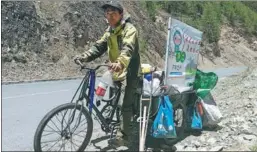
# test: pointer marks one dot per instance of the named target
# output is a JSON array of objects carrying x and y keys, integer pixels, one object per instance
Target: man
[{"x": 121, "y": 42}]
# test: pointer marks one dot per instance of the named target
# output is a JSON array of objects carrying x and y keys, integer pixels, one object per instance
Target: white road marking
[{"x": 33, "y": 94}]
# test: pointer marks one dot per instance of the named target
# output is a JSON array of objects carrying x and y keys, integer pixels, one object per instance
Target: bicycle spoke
[
  {"x": 83, "y": 120},
  {"x": 51, "y": 140},
  {"x": 83, "y": 130},
  {"x": 79, "y": 135},
  {"x": 64, "y": 118},
  {"x": 80, "y": 125},
  {"x": 64, "y": 147},
  {"x": 51, "y": 131},
  {"x": 54, "y": 144},
  {"x": 71, "y": 144},
  {"x": 84, "y": 124},
  {"x": 67, "y": 115},
  {"x": 71, "y": 112},
  {"x": 52, "y": 128},
  {"x": 48, "y": 134},
  {"x": 76, "y": 124},
  {"x": 74, "y": 144},
  {"x": 55, "y": 126},
  {"x": 44, "y": 146},
  {"x": 77, "y": 132},
  {"x": 77, "y": 140},
  {"x": 58, "y": 119},
  {"x": 61, "y": 146}
]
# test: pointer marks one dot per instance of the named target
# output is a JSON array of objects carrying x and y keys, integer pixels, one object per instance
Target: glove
[{"x": 117, "y": 66}]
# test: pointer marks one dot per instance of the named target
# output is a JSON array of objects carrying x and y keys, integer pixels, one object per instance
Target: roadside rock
[
  {"x": 249, "y": 137},
  {"x": 217, "y": 148},
  {"x": 238, "y": 127},
  {"x": 20, "y": 57}
]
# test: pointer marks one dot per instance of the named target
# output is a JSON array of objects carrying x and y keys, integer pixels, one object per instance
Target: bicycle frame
[{"x": 88, "y": 82}]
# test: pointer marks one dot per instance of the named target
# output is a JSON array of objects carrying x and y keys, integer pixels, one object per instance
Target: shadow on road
[
  {"x": 97, "y": 140},
  {"x": 156, "y": 144},
  {"x": 153, "y": 144}
]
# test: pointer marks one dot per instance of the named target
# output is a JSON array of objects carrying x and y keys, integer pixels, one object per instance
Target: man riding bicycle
[{"x": 120, "y": 40}]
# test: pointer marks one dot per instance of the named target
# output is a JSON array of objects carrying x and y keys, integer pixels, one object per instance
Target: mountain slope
[{"x": 39, "y": 39}]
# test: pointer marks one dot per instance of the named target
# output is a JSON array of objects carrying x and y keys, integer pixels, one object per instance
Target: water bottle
[
  {"x": 104, "y": 82},
  {"x": 101, "y": 90}
]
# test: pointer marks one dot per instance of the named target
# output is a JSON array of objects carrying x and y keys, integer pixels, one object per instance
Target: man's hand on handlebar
[
  {"x": 79, "y": 59},
  {"x": 116, "y": 67}
]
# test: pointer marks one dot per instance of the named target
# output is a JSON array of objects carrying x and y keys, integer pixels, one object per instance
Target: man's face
[{"x": 113, "y": 16}]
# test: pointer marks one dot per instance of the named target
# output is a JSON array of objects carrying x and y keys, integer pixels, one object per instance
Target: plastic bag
[
  {"x": 211, "y": 111},
  {"x": 204, "y": 83},
  {"x": 163, "y": 125},
  {"x": 146, "y": 87},
  {"x": 205, "y": 80},
  {"x": 107, "y": 78},
  {"x": 196, "y": 119},
  {"x": 155, "y": 87}
]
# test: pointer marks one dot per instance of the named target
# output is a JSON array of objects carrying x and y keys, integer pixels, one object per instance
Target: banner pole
[{"x": 167, "y": 51}]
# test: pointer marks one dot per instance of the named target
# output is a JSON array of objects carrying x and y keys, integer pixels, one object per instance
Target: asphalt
[{"x": 24, "y": 105}]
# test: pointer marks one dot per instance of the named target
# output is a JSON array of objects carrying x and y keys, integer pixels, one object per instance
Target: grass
[
  {"x": 254, "y": 148},
  {"x": 142, "y": 45}
]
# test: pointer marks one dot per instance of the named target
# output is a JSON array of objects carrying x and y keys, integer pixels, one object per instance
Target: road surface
[{"x": 24, "y": 105}]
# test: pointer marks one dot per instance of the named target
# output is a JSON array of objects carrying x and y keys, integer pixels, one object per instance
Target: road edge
[
  {"x": 41, "y": 80},
  {"x": 80, "y": 77}
]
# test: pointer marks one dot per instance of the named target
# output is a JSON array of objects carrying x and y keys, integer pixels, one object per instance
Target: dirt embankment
[{"x": 39, "y": 39}]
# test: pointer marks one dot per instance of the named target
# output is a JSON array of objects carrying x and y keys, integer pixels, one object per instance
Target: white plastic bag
[
  {"x": 155, "y": 87},
  {"x": 146, "y": 87},
  {"x": 107, "y": 78},
  {"x": 211, "y": 111}
]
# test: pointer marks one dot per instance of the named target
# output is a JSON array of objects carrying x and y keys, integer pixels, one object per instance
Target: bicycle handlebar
[{"x": 84, "y": 67}]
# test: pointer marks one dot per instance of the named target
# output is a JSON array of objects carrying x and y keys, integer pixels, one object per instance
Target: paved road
[{"x": 24, "y": 105}]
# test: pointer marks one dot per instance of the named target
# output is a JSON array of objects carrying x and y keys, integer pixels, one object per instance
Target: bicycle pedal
[{"x": 98, "y": 103}]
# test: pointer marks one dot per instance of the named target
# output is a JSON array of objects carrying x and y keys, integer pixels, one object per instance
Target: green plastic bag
[{"x": 204, "y": 82}]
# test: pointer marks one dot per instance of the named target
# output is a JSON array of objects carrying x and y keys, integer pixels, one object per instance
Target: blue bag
[
  {"x": 196, "y": 119},
  {"x": 163, "y": 125}
]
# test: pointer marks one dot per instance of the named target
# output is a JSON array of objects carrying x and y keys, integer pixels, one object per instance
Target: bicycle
[
  {"x": 108, "y": 116},
  {"x": 68, "y": 127}
]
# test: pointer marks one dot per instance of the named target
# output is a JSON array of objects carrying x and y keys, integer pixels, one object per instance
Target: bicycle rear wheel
[{"x": 66, "y": 138}]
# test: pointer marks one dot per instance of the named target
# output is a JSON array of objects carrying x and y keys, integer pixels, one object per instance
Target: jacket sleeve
[
  {"x": 98, "y": 49},
  {"x": 128, "y": 44}
]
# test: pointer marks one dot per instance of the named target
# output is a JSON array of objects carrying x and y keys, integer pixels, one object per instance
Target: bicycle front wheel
[{"x": 55, "y": 133}]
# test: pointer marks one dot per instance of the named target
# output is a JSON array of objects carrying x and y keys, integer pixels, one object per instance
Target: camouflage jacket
[{"x": 122, "y": 46}]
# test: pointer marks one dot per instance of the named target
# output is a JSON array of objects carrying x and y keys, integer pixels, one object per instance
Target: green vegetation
[
  {"x": 142, "y": 45},
  {"x": 254, "y": 148},
  {"x": 209, "y": 16}
]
